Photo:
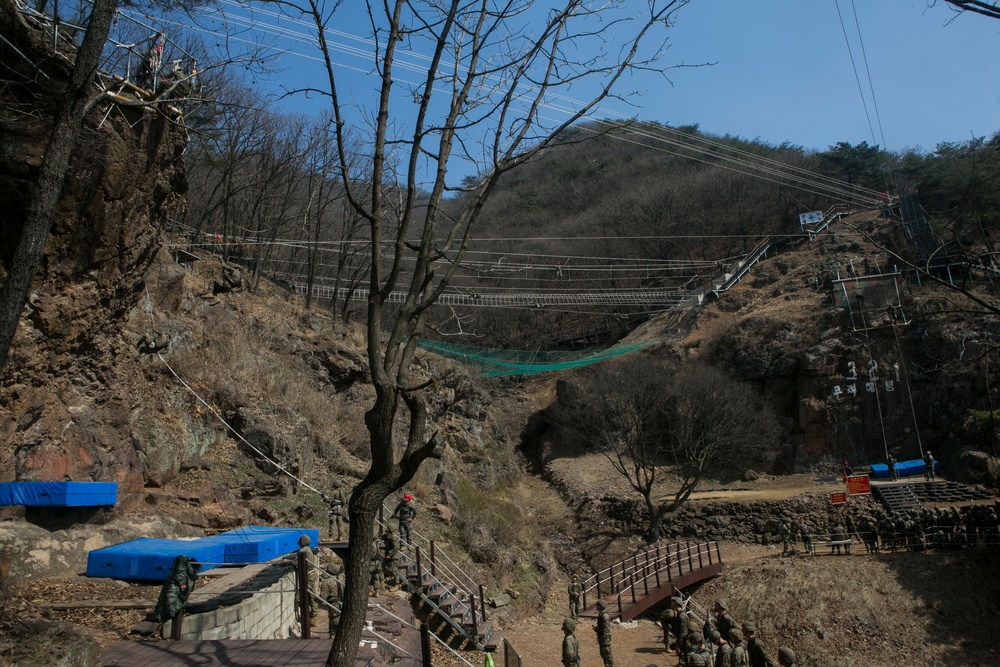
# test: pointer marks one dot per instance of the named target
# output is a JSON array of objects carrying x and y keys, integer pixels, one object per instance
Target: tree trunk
[
  {"x": 67, "y": 122},
  {"x": 655, "y": 522},
  {"x": 362, "y": 513}
]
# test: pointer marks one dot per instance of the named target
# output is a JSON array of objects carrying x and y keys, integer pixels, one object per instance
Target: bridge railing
[{"x": 650, "y": 570}]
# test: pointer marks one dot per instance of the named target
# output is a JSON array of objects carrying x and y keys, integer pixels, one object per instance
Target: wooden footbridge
[{"x": 645, "y": 579}]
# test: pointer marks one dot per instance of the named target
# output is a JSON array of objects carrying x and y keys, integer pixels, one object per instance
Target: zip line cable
[
  {"x": 814, "y": 180},
  {"x": 871, "y": 86},
  {"x": 854, "y": 66}
]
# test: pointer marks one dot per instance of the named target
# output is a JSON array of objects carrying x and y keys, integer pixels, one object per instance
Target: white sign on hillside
[{"x": 813, "y": 218}]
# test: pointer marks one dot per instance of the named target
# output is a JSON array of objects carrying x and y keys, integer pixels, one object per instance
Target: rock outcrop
[{"x": 68, "y": 393}]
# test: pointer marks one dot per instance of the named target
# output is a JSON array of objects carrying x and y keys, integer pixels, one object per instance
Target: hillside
[{"x": 177, "y": 362}]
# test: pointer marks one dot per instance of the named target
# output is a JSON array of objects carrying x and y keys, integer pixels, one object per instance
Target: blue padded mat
[
  {"x": 149, "y": 559},
  {"x": 59, "y": 494},
  {"x": 259, "y": 544},
  {"x": 903, "y": 468}
]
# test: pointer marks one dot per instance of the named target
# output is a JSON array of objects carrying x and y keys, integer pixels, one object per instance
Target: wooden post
[
  {"x": 690, "y": 560},
  {"x": 420, "y": 572},
  {"x": 717, "y": 552},
  {"x": 303, "y": 568},
  {"x": 645, "y": 575},
  {"x": 656, "y": 567},
  {"x": 632, "y": 586},
  {"x": 176, "y": 624},
  {"x": 700, "y": 564},
  {"x": 475, "y": 623},
  {"x": 425, "y": 645},
  {"x": 482, "y": 601},
  {"x": 433, "y": 560},
  {"x": 598, "y": 587},
  {"x": 619, "y": 597},
  {"x": 709, "y": 550}
]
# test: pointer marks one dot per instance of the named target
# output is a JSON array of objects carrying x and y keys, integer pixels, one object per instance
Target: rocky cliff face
[{"x": 67, "y": 396}]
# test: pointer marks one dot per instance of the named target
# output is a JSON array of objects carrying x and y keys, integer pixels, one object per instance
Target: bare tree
[
  {"x": 659, "y": 424},
  {"x": 458, "y": 82},
  {"x": 989, "y": 9}
]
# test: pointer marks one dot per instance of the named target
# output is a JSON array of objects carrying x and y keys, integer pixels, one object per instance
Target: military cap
[
  {"x": 602, "y": 604},
  {"x": 721, "y": 604},
  {"x": 696, "y": 638},
  {"x": 569, "y": 624},
  {"x": 714, "y": 636},
  {"x": 693, "y": 626},
  {"x": 749, "y": 627},
  {"x": 736, "y": 635},
  {"x": 677, "y": 601},
  {"x": 786, "y": 655}
]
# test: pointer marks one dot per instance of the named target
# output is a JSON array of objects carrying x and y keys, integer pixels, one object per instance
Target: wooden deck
[{"x": 229, "y": 652}]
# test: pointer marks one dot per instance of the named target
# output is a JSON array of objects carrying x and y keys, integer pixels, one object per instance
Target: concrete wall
[{"x": 267, "y": 613}]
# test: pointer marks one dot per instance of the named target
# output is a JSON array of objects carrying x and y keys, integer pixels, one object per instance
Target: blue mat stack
[
  {"x": 59, "y": 494},
  {"x": 903, "y": 468},
  {"x": 149, "y": 559}
]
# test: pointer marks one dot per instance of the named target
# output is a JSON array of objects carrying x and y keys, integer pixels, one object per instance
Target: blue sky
[{"x": 782, "y": 72}]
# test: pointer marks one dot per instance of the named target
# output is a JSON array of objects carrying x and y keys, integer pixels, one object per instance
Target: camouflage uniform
[
  {"x": 667, "y": 623},
  {"x": 604, "y": 634},
  {"x": 787, "y": 541},
  {"x": 406, "y": 512},
  {"x": 740, "y": 657},
  {"x": 571, "y": 645},
  {"x": 699, "y": 655},
  {"x": 575, "y": 591},
  {"x": 756, "y": 654},
  {"x": 375, "y": 568},
  {"x": 335, "y": 516},
  {"x": 390, "y": 564}
]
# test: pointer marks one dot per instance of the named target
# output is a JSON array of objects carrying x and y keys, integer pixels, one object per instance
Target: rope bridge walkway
[{"x": 638, "y": 583}]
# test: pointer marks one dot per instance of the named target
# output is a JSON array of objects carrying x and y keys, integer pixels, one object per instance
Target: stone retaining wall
[{"x": 264, "y": 607}]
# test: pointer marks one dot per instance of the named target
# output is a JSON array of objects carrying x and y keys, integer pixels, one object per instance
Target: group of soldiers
[
  {"x": 719, "y": 642},
  {"x": 385, "y": 560},
  {"x": 571, "y": 645},
  {"x": 916, "y": 530},
  {"x": 912, "y": 530}
]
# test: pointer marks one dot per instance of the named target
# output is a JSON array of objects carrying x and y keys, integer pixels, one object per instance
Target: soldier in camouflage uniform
[
  {"x": 681, "y": 619},
  {"x": 698, "y": 655},
  {"x": 571, "y": 645},
  {"x": 806, "y": 537},
  {"x": 786, "y": 657},
  {"x": 335, "y": 515},
  {"x": 603, "y": 630},
  {"x": 756, "y": 654},
  {"x": 390, "y": 563},
  {"x": 575, "y": 591},
  {"x": 375, "y": 567},
  {"x": 330, "y": 589},
  {"x": 723, "y": 621},
  {"x": 723, "y": 649},
  {"x": 786, "y": 538},
  {"x": 405, "y": 512},
  {"x": 740, "y": 657},
  {"x": 667, "y": 623}
]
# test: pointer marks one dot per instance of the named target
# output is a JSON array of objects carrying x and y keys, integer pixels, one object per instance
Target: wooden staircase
[{"x": 464, "y": 611}]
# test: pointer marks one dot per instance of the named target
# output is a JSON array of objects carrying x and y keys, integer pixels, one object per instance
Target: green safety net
[{"x": 492, "y": 362}]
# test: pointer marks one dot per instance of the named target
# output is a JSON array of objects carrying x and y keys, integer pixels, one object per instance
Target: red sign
[
  {"x": 857, "y": 485},
  {"x": 838, "y": 498}
]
